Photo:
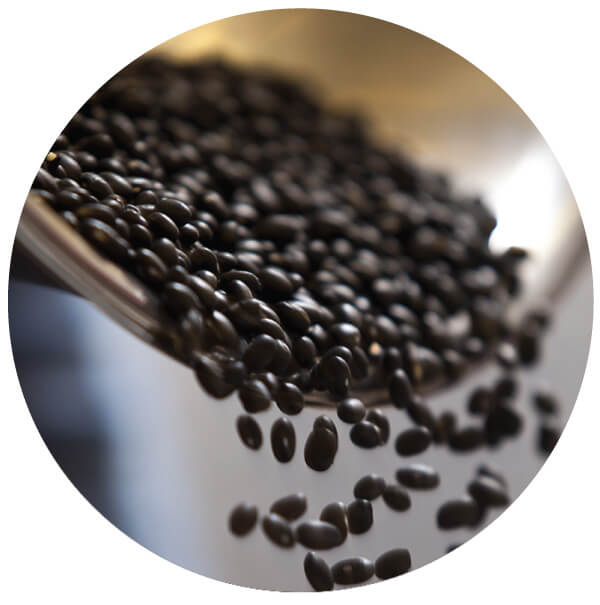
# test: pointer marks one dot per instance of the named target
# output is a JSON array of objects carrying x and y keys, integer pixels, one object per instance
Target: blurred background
[{"x": 141, "y": 441}]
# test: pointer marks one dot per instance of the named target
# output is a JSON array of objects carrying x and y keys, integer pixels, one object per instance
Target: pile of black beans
[{"x": 302, "y": 265}]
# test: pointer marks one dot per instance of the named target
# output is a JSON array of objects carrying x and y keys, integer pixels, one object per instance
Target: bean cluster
[{"x": 302, "y": 264}]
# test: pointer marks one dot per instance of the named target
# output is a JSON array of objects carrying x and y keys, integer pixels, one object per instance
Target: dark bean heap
[{"x": 302, "y": 264}]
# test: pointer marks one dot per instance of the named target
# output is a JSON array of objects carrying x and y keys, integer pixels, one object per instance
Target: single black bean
[
  {"x": 150, "y": 266},
  {"x": 276, "y": 283},
  {"x": 335, "y": 513},
  {"x": 221, "y": 330},
  {"x": 283, "y": 439},
  {"x": 366, "y": 435},
  {"x": 293, "y": 316},
  {"x": 360, "y": 516},
  {"x": 506, "y": 387},
  {"x": 254, "y": 395},
  {"x": 396, "y": 497},
  {"x": 95, "y": 184},
  {"x": 281, "y": 359},
  {"x": 318, "y": 573},
  {"x": 118, "y": 184},
  {"x": 392, "y": 563},
  {"x": 289, "y": 399},
  {"x": 290, "y": 507},
  {"x": 466, "y": 439},
  {"x": 545, "y": 401},
  {"x": 418, "y": 476},
  {"x": 457, "y": 513},
  {"x": 179, "y": 298},
  {"x": 487, "y": 491},
  {"x": 278, "y": 530},
  {"x": 211, "y": 376},
  {"x": 400, "y": 389},
  {"x": 369, "y": 487},
  {"x": 260, "y": 352},
  {"x": 481, "y": 401},
  {"x": 413, "y": 441},
  {"x": 163, "y": 225},
  {"x": 249, "y": 432},
  {"x": 105, "y": 238},
  {"x": 353, "y": 571},
  {"x": 175, "y": 209},
  {"x": 320, "y": 449},
  {"x": 318, "y": 535},
  {"x": 166, "y": 249},
  {"x": 242, "y": 519},
  {"x": 548, "y": 437},
  {"x": 248, "y": 278},
  {"x": 351, "y": 410}
]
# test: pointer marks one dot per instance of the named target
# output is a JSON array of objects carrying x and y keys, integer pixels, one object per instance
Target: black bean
[
  {"x": 359, "y": 366},
  {"x": 351, "y": 410},
  {"x": 422, "y": 415},
  {"x": 293, "y": 316},
  {"x": 249, "y": 432},
  {"x": 334, "y": 374},
  {"x": 346, "y": 334},
  {"x": 304, "y": 351},
  {"x": 96, "y": 184},
  {"x": 366, "y": 435},
  {"x": 163, "y": 225},
  {"x": 318, "y": 573},
  {"x": 360, "y": 516},
  {"x": 418, "y": 476},
  {"x": 283, "y": 439},
  {"x": 260, "y": 352},
  {"x": 506, "y": 387},
  {"x": 275, "y": 282},
  {"x": 105, "y": 238},
  {"x": 242, "y": 519},
  {"x": 290, "y": 507},
  {"x": 353, "y": 571},
  {"x": 380, "y": 420},
  {"x": 318, "y": 535},
  {"x": 369, "y": 487},
  {"x": 481, "y": 401},
  {"x": 392, "y": 563},
  {"x": 545, "y": 402},
  {"x": 487, "y": 471},
  {"x": 118, "y": 184},
  {"x": 278, "y": 530},
  {"x": 272, "y": 328},
  {"x": 254, "y": 395},
  {"x": 222, "y": 331},
  {"x": 335, "y": 513},
  {"x": 281, "y": 359},
  {"x": 175, "y": 209},
  {"x": 466, "y": 439},
  {"x": 150, "y": 266},
  {"x": 320, "y": 449},
  {"x": 400, "y": 389},
  {"x": 203, "y": 290},
  {"x": 457, "y": 513},
  {"x": 548, "y": 437},
  {"x": 179, "y": 298},
  {"x": 325, "y": 422},
  {"x": 413, "y": 441},
  {"x": 487, "y": 491},
  {"x": 244, "y": 276},
  {"x": 396, "y": 498},
  {"x": 289, "y": 399},
  {"x": 211, "y": 376}
]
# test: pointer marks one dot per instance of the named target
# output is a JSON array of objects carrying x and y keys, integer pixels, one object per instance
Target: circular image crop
[{"x": 300, "y": 300}]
